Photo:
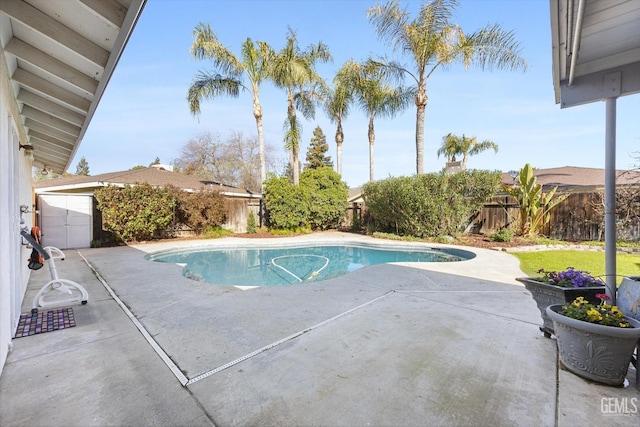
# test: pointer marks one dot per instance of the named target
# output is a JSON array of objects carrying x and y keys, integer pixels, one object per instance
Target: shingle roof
[
  {"x": 152, "y": 175},
  {"x": 568, "y": 177}
]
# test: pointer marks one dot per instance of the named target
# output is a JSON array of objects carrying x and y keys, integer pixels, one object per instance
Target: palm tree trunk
[
  {"x": 421, "y": 104},
  {"x": 372, "y": 139},
  {"x": 257, "y": 113},
  {"x": 339, "y": 139},
  {"x": 291, "y": 114},
  {"x": 296, "y": 165}
]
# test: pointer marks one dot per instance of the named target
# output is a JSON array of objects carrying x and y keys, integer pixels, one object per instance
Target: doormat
[{"x": 45, "y": 321}]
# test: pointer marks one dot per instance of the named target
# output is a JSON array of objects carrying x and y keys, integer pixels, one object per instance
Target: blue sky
[{"x": 144, "y": 113}]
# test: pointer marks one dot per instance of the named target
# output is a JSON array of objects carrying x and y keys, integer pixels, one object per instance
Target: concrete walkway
[{"x": 388, "y": 345}]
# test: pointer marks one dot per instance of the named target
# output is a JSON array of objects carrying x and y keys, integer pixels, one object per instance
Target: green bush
[
  {"x": 327, "y": 197},
  {"x": 198, "y": 211},
  {"x": 211, "y": 232},
  {"x": 286, "y": 204},
  {"x": 251, "y": 223},
  {"x": 428, "y": 205},
  {"x": 356, "y": 224},
  {"x": 502, "y": 235},
  {"x": 319, "y": 202},
  {"x": 135, "y": 213}
]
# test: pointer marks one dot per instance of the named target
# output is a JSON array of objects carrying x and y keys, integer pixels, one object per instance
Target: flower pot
[
  {"x": 545, "y": 295},
  {"x": 595, "y": 352}
]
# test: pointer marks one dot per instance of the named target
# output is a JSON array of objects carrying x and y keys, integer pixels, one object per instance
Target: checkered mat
[{"x": 45, "y": 321}]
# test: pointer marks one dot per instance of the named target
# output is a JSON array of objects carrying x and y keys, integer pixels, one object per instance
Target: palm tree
[
  {"x": 294, "y": 71},
  {"x": 453, "y": 146},
  {"x": 433, "y": 40},
  {"x": 254, "y": 62},
  {"x": 337, "y": 101},
  {"x": 375, "y": 96}
]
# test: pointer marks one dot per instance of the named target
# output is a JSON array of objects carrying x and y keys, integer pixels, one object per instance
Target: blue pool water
[{"x": 291, "y": 266}]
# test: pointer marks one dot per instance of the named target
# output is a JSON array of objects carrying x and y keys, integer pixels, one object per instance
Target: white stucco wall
[{"x": 15, "y": 190}]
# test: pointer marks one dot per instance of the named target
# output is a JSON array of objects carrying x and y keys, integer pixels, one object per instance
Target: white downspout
[{"x": 576, "y": 41}]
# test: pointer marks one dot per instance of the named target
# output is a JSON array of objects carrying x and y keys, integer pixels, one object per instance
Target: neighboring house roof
[
  {"x": 571, "y": 177},
  {"x": 355, "y": 195},
  {"x": 154, "y": 176}
]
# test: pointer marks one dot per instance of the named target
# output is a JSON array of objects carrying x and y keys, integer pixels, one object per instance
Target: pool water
[{"x": 291, "y": 266}]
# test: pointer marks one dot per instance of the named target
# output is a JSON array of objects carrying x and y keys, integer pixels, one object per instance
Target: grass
[{"x": 593, "y": 262}]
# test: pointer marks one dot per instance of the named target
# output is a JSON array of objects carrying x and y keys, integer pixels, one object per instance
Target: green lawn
[{"x": 593, "y": 262}]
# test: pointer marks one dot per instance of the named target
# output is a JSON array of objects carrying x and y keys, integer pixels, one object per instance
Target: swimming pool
[{"x": 279, "y": 266}]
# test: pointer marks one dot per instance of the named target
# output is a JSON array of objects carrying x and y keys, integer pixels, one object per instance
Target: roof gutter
[{"x": 576, "y": 41}]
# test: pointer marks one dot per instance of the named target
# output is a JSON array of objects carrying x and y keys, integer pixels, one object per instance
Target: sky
[{"x": 144, "y": 114}]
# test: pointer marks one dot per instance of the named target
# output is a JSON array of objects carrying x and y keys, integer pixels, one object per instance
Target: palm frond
[
  {"x": 479, "y": 147},
  {"x": 495, "y": 48},
  {"x": 389, "y": 21},
  {"x": 207, "y": 46},
  {"x": 292, "y": 129},
  {"x": 304, "y": 102},
  {"x": 207, "y": 86}
]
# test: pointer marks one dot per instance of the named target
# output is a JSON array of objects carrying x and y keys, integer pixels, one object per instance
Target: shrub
[
  {"x": 502, "y": 235},
  {"x": 251, "y": 223},
  {"x": 286, "y": 204},
  {"x": 199, "y": 210},
  {"x": 319, "y": 202},
  {"x": 428, "y": 205},
  {"x": 215, "y": 232},
  {"x": 534, "y": 205},
  {"x": 135, "y": 212},
  {"x": 356, "y": 224},
  {"x": 327, "y": 197}
]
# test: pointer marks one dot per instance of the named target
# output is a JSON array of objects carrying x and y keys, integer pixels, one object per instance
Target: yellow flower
[
  {"x": 579, "y": 301},
  {"x": 594, "y": 315}
]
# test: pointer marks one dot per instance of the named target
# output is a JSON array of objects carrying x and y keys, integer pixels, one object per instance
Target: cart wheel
[
  {"x": 547, "y": 334},
  {"x": 34, "y": 311},
  {"x": 84, "y": 302}
]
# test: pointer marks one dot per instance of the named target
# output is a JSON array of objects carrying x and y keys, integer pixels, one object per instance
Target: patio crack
[{"x": 283, "y": 340}]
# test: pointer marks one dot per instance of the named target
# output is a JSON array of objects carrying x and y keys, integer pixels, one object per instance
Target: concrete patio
[{"x": 388, "y": 345}]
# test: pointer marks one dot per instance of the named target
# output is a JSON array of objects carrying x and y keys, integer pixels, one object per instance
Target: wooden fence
[
  {"x": 577, "y": 218},
  {"x": 238, "y": 211}
]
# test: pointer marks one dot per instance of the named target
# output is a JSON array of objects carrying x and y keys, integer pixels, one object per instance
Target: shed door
[{"x": 66, "y": 220}]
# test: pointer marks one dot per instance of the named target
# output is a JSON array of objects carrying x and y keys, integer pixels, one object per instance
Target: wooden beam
[
  {"x": 48, "y": 149},
  {"x": 38, "y": 84},
  {"x": 110, "y": 10},
  {"x": 46, "y": 137},
  {"x": 44, "y": 24},
  {"x": 52, "y": 164},
  {"x": 48, "y": 130},
  {"x": 57, "y": 110},
  {"x": 30, "y": 54},
  {"x": 52, "y": 154},
  {"x": 50, "y": 120}
]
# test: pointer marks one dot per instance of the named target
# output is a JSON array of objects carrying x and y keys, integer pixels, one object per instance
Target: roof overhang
[
  {"x": 596, "y": 49},
  {"x": 60, "y": 55}
]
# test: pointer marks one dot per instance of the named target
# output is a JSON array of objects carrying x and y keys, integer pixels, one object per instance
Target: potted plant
[
  {"x": 595, "y": 341},
  {"x": 553, "y": 287}
]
